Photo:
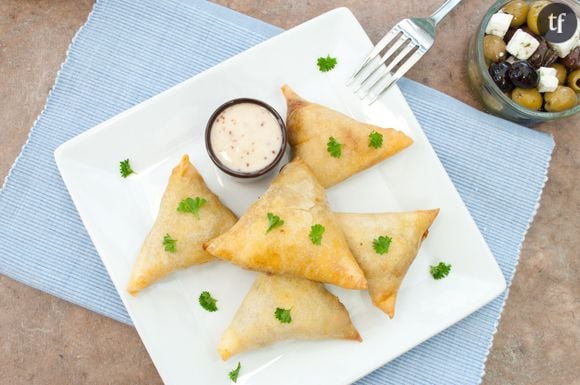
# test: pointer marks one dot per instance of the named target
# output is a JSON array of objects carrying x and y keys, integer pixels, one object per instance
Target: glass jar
[{"x": 494, "y": 100}]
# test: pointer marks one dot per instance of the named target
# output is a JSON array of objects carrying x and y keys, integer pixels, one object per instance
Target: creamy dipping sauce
[{"x": 246, "y": 137}]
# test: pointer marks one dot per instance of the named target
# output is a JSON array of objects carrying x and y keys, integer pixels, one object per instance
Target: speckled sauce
[{"x": 246, "y": 137}]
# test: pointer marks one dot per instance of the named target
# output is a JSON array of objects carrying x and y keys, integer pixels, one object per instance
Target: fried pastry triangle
[
  {"x": 309, "y": 311},
  {"x": 385, "y": 272},
  {"x": 188, "y": 227},
  {"x": 311, "y": 127},
  {"x": 275, "y": 234}
]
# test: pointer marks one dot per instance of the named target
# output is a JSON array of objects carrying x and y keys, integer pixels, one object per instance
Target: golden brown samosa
[
  {"x": 334, "y": 145},
  {"x": 385, "y": 262},
  {"x": 279, "y": 307},
  {"x": 189, "y": 215},
  {"x": 291, "y": 230}
]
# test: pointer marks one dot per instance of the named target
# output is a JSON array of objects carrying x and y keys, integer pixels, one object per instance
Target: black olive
[
  {"x": 509, "y": 34},
  {"x": 537, "y": 57},
  {"x": 549, "y": 58},
  {"x": 572, "y": 60},
  {"x": 544, "y": 56},
  {"x": 499, "y": 74},
  {"x": 523, "y": 75}
]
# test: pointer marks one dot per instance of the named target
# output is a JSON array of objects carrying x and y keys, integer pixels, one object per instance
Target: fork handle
[{"x": 443, "y": 10}]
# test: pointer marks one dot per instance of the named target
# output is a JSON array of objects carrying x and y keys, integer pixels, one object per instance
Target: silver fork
[{"x": 408, "y": 41}]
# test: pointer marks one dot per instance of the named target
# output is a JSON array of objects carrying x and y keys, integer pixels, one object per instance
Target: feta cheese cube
[
  {"x": 522, "y": 45},
  {"x": 548, "y": 80},
  {"x": 564, "y": 48},
  {"x": 498, "y": 24},
  {"x": 548, "y": 84},
  {"x": 511, "y": 60},
  {"x": 547, "y": 71}
]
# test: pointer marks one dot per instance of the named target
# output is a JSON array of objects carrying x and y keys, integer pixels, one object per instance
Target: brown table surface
[{"x": 45, "y": 340}]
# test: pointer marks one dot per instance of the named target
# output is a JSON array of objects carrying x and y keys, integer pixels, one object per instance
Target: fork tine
[
  {"x": 366, "y": 73},
  {"x": 396, "y": 45},
  {"x": 364, "y": 88},
  {"x": 410, "y": 62},
  {"x": 400, "y": 56},
  {"x": 376, "y": 51}
]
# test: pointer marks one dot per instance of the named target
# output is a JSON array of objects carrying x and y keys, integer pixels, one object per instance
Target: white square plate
[{"x": 180, "y": 336}]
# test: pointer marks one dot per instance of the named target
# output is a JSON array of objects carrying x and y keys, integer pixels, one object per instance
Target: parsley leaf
[
  {"x": 169, "y": 243},
  {"x": 316, "y": 232},
  {"x": 334, "y": 148},
  {"x": 126, "y": 169},
  {"x": 375, "y": 140},
  {"x": 440, "y": 271},
  {"x": 273, "y": 222},
  {"x": 283, "y": 315},
  {"x": 327, "y": 63},
  {"x": 235, "y": 373},
  {"x": 189, "y": 205},
  {"x": 207, "y": 301},
  {"x": 381, "y": 244}
]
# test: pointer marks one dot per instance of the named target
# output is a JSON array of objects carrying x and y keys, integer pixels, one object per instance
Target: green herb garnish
[
  {"x": 273, "y": 222},
  {"x": 381, "y": 244},
  {"x": 316, "y": 233},
  {"x": 207, "y": 301},
  {"x": 283, "y": 315},
  {"x": 235, "y": 373},
  {"x": 334, "y": 148},
  {"x": 126, "y": 169},
  {"x": 327, "y": 63},
  {"x": 169, "y": 243},
  {"x": 440, "y": 271},
  {"x": 375, "y": 140},
  {"x": 190, "y": 205}
]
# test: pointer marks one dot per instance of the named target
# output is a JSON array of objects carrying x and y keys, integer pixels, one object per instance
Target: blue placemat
[{"x": 130, "y": 51}]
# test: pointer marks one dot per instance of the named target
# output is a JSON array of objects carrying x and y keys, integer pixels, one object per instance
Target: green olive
[
  {"x": 535, "y": 9},
  {"x": 560, "y": 72},
  {"x": 562, "y": 99},
  {"x": 530, "y": 98},
  {"x": 574, "y": 80},
  {"x": 494, "y": 48},
  {"x": 519, "y": 10}
]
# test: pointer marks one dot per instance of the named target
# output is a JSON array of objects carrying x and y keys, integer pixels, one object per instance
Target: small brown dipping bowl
[{"x": 239, "y": 174}]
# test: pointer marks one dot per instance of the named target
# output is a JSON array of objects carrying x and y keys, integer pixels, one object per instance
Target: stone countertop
[{"x": 44, "y": 340}]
